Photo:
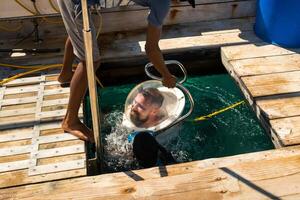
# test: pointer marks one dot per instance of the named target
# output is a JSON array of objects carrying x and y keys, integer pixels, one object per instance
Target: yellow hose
[
  {"x": 23, "y": 6},
  {"x": 53, "y": 7},
  {"x": 6, "y": 80},
  {"x": 34, "y": 68},
  {"x": 11, "y": 29},
  {"x": 205, "y": 117}
]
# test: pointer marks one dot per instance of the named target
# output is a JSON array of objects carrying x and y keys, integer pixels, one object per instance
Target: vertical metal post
[{"x": 92, "y": 82}]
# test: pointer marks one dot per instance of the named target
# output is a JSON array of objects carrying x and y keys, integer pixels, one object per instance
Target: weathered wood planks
[
  {"x": 269, "y": 77},
  {"x": 33, "y": 147},
  {"x": 251, "y": 176}
]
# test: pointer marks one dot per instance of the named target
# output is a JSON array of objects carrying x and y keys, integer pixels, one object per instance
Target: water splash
[{"x": 118, "y": 153}]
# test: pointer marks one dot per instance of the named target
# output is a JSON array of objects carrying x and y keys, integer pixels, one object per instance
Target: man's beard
[{"x": 136, "y": 119}]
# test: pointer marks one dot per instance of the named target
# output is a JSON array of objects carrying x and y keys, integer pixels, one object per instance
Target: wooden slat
[
  {"x": 266, "y": 65},
  {"x": 180, "y": 44},
  {"x": 12, "y": 166},
  {"x": 288, "y": 129},
  {"x": 60, "y": 151},
  {"x": 24, "y": 81},
  {"x": 55, "y": 138},
  {"x": 7, "y": 102},
  {"x": 280, "y": 106},
  {"x": 57, "y": 167},
  {"x": 271, "y": 84},
  {"x": 15, "y": 136},
  {"x": 15, "y": 150},
  {"x": 10, "y": 113},
  {"x": 56, "y": 91},
  {"x": 36, "y": 128},
  {"x": 20, "y": 177},
  {"x": 1, "y": 96},
  {"x": 55, "y": 102},
  {"x": 26, "y": 89},
  {"x": 259, "y": 179},
  {"x": 256, "y": 50},
  {"x": 51, "y": 125}
]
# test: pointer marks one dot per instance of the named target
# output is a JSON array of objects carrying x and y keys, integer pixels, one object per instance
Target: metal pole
[{"x": 92, "y": 82}]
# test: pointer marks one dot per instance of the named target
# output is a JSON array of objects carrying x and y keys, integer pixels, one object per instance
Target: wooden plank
[
  {"x": 1, "y": 96},
  {"x": 92, "y": 85},
  {"x": 12, "y": 166},
  {"x": 179, "y": 44},
  {"x": 24, "y": 81},
  {"x": 56, "y": 102},
  {"x": 56, "y": 91},
  {"x": 15, "y": 136},
  {"x": 256, "y": 50},
  {"x": 259, "y": 179},
  {"x": 288, "y": 130},
  {"x": 113, "y": 21},
  {"x": 51, "y": 125},
  {"x": 56, "y": 113},
  {"x": 18, "y": 101},
  {"x": 20, "y": 177},
  {"x": 24, "y": 89},
  {"x": 57, "y": 167},
  {"x": 266, "y": 65},
  {"x": 13, "y": 158},
  {"x": 271, "y": 84},
  {"x": 280, "y": 106},
  {"x": 56, "y": 138},
  {"x": 10, "y": 113},
  {"x": 15, "y": 150},
  {"x": 61, "y": 151},
  {"x": 60, "y": 144},
  {"x": 17, "y": 122},
  {"x": 36, "y": 128}
]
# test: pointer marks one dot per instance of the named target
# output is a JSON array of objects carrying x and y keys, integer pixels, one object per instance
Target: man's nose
[{"x": 134, "y": 107}]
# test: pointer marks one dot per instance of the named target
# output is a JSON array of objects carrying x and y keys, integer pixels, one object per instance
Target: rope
[
  {"x": 6, "y": 80},
  {"x": 205, "y": 117},
  {"x": 34, "y": 68},
  {"x": 100, "y": 22},
  {"x": 23, "y": 6},
  {"x": 11, "y": 29},
  {"x": 53, "y": 7}
]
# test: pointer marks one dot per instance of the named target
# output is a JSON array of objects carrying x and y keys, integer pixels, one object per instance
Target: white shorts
[{"x": 74, "y": 25}]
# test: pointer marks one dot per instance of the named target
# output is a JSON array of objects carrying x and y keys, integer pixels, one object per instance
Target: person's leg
[
  {"x": 78, "y": 87},
  {"x": 66, "y": 73}
]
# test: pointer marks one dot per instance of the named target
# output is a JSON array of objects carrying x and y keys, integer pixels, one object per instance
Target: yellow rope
[
  {"x": 34, "y": 68},
  {"x": 6, "y": 80},
  {"x": 205, "y": 117},
  {"x": 100, "y": 23},
  {"x": 11, "y": 29},
  {"x": 53, "y": 7},
  {"x": 28, "y": 67},
  {"x": 23, "y": 6}
]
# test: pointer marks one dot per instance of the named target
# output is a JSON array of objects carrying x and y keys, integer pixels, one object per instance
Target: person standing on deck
[{"x": 74, "y": 46}]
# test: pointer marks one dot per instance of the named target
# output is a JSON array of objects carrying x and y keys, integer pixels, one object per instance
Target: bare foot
[
  {"x": 65, "y": 77},
  {"x": 79, "y": 130}
]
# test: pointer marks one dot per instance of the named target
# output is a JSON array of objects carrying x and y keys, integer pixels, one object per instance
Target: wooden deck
[
  {"x": 272, "y": 174},
  {"x": 269, "y": 77},
  {"x": 33, "y": 147}
]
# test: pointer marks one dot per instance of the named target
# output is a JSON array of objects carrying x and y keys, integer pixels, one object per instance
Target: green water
[{"x": 235, "y": 131}]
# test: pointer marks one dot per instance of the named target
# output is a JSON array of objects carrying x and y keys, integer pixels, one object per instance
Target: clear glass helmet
[{"x": 151, "y": 106}]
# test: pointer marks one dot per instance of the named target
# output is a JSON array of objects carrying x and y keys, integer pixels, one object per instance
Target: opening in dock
[{"x": 234, "y": 131}]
